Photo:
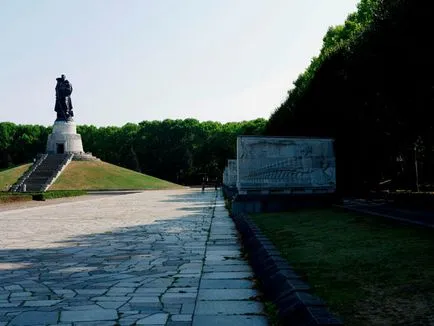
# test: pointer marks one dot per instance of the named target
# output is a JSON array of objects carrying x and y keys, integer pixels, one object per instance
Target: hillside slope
[
  {"x": 9, "y": 176},
  {"x": 98, "y": 175}
]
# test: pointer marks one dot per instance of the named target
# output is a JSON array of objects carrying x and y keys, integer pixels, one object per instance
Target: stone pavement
[{"x": 153, "y": 258}]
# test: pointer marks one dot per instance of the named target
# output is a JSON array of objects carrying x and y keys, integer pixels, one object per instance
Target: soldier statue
[{"x": 63, "y": 105}]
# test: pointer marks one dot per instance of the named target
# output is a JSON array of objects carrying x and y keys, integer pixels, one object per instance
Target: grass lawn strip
[{"x": 370, "y": 271}]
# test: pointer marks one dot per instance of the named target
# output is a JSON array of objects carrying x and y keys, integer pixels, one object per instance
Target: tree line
[
  {"x": 372, "y": 89},
  {"x": 181, "y": 151}
]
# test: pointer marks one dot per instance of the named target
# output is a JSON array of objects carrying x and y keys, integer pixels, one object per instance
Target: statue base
[{"x": 64, "y": 139}]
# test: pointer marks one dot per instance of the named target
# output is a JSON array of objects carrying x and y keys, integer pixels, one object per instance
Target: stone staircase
[
  {"x": 43, "y": 173},
  {"x": 17, "y": 185}
]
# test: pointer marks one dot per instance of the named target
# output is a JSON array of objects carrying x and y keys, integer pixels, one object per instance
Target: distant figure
[
  {"x": 63, "y": 105},
  {"x": 203, "y": 183}
]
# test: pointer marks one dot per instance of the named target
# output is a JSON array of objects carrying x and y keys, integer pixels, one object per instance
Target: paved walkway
[{"x": 153, "y": 258}]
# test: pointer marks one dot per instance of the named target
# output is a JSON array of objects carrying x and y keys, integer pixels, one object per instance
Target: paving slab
[
  {"x": 41, "y": 303},
  {"x": 227, "y": 294},
  {"x": 181, "y": 317},
  {"x": 168, "y": 257},
  {"x": 89, "y": 315},
  {"x": 155, "y": 319},
  {"x": 35, "y": 318},
  {"x": 228, "y": 308},
  {"x": 92, "y": 323},
  {"x": 227, "y": 268},
  {"x": 226, "y": 284},
  {"x": 226, "y": 275},
  {"x": 230, "y": 321}
]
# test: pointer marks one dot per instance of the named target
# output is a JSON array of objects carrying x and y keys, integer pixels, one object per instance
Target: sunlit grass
[
  {"x": 9, "y": 176},
  {"x": 370, "y": 271},
  {"x": 98, "y": 175}
]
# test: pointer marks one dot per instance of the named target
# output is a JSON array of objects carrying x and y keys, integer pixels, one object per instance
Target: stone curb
[{"x": 295, "y": 304}]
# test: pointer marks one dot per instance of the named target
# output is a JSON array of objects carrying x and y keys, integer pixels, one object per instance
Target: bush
[
  {"x": 58, "y": 194},
  {"x": 38, "y": 197}
]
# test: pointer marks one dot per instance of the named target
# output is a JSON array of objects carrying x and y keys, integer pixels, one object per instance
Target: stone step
[
  {"x": 45, "y": 172},
  {"x": 33, "y": 188}
]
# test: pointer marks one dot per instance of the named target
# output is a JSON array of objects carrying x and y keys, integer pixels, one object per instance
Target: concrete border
[{"x": 280, "y": 284}]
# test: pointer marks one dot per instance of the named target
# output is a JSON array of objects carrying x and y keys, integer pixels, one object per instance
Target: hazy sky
[{"x": 135, "y": 60}]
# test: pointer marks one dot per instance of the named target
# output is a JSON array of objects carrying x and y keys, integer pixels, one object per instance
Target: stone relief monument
[
  {"x": 232, "y": 173},
  {"x": 287, "y": 164},
  {"x": 64, "y": 138}
]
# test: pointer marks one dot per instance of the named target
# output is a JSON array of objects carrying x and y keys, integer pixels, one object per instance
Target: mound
[
  {"x": 98, "y": 175},
  {"x": 10, "y": 176}
]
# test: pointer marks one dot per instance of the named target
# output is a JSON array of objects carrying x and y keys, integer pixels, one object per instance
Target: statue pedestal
[{"x": 64, "y": 139}]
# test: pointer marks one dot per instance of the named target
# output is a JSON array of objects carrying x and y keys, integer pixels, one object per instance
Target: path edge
[{"x": 280, "y": 284}]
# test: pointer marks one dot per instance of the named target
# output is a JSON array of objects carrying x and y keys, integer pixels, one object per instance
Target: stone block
[{"x": 230, "y": 320}]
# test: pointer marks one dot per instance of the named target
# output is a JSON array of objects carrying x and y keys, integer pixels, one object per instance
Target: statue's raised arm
[{"x": 63, "y": 105}]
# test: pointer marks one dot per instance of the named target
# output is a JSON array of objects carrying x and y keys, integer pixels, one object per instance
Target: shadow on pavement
[{"x": 78, "y": 270}]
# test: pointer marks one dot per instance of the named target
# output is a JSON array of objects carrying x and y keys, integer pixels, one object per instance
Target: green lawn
[
  {"x": 369, "y": 270},
  {"x": 98, "y": 175},
  {"x": 9, "y": 176}
]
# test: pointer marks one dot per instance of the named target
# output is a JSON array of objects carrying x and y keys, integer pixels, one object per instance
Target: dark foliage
[{"x": 372, "y": 89}]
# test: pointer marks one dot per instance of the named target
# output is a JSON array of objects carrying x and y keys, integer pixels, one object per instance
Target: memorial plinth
[{"x": 64, "y": 139}]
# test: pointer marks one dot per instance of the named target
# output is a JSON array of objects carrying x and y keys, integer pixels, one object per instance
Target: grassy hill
[
  {"x": 9, "y": 176},
  {"x": 98, "y": 175}
]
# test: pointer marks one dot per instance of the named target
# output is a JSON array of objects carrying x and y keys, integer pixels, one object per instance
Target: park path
[{"x": 154, "y": 258}]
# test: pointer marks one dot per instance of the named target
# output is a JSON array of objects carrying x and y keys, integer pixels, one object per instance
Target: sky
[{"x": 135, "y": 60}]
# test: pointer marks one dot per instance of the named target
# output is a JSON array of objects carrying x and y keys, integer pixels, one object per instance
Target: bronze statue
[{"x": 63, "y": 105}]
